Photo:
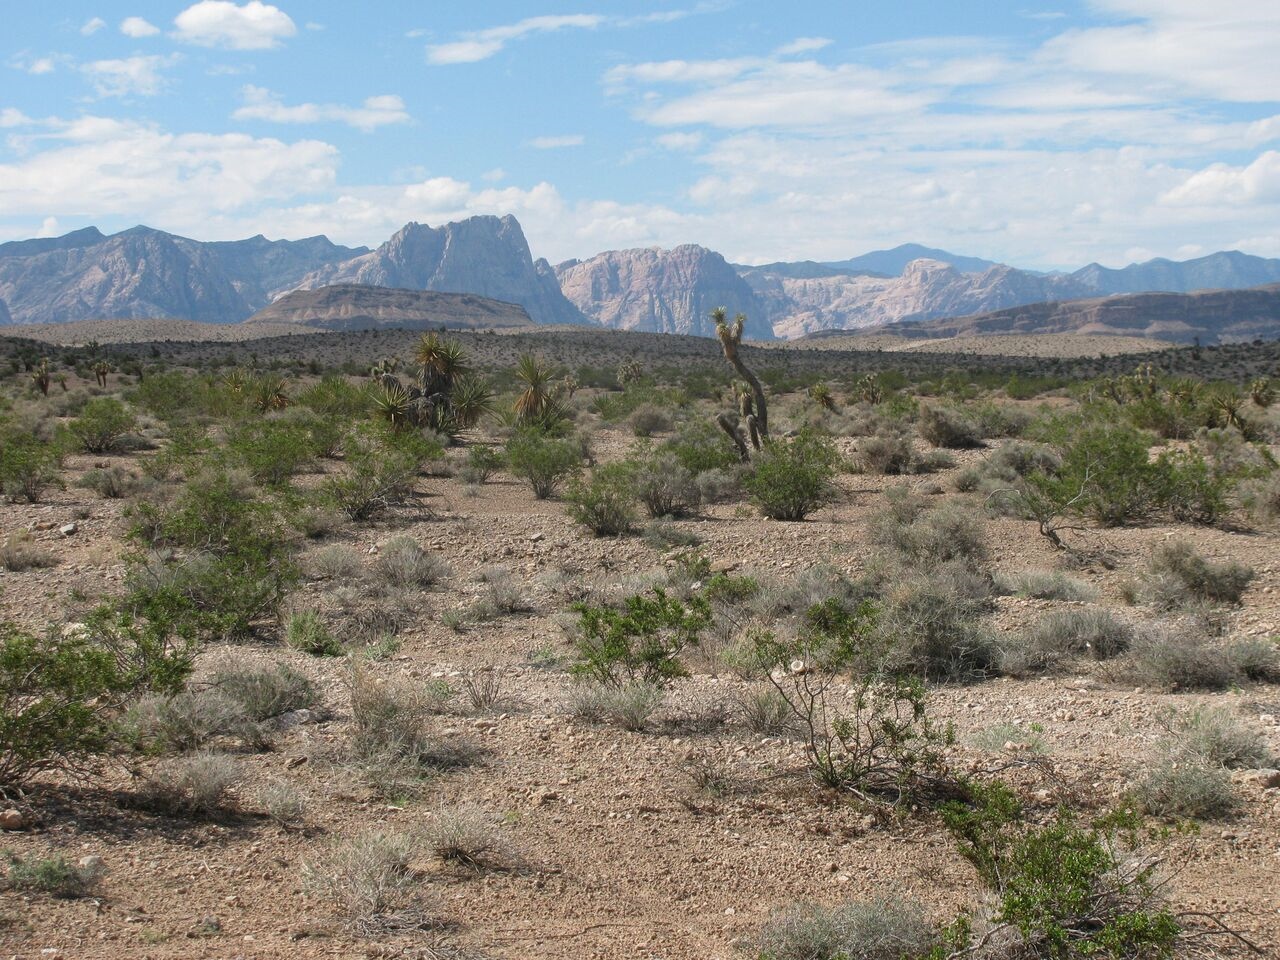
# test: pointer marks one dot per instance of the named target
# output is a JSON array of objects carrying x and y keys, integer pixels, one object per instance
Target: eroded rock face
[
  {"x": 487, "y": 256},
  {"x": 661, "y": 291}
]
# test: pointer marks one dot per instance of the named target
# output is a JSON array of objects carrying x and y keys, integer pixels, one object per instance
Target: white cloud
[
  {"x": 132, "y": 76},
  {"x": 10, "y": 117},
  {"x": 137, "y": 27},
  {"x": 262, "y": 104},
  {"x": 92, "y": 26},
  {"x": 494, "y": 175},
  {"x": 1225, "y": 185},
  {"x": 41, "y": 65},
  {"x": 49, "y": 227},
  {"x": 482, "y": 44},
  {"x": 555, "y": 143},
  {"x": 802, "y": 45},
  {"x": 679, "y": 141},
  {"x": 189, "y": 182},
  {"x": 221, "y": 23}
]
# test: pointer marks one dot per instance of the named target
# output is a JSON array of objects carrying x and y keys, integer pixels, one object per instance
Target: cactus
[{"x": 1262, "y": 392}]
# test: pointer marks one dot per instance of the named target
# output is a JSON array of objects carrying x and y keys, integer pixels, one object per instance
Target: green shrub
[
  {"x": 663, "y": 484},
  {"x": 700, "y": 447},
  {"x": 1106, "y": 474},
  {"x": 28, "y": 465},
  {"x": 54, "y": 876},
  {"x": 482, "y": 463},
  {"x": 306, "y": 631},
  {"x": 1058, "y": 890},
  {"x": 604, "y": 504},
  {"x": 545, "y": 462},
  {"x": 641, "y": 642},
  {"x": 792, "y": 478},
  {"x": 112, "y": 483},
  {"x": 103, "y": 423},
  {"x": 380, "y": 472},
  {"x": 59, "y": 695},
  {"x": 272, "y": 450}
]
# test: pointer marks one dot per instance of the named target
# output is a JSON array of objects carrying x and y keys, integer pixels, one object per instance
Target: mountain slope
[
  {"x": 149, "y": 273},
  {"x": 1211, "y": 316},
  {"x": 660, "y": 291},
  {"x": 356, "y": 307},
  {"x": 893, "y": 262},
  {"x": 487, "y": 256}
]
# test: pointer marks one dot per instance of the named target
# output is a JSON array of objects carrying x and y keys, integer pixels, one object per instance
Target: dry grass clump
[
  {"x": 18, "y": 552},
  {"x": 764, "y": 711},
  {"x": 931, "y": 622},
  {"x": 1179, "y": 575},
  {"x": 307, "y": 632},
  {"x": 282, "y": 802},
  {"x": 264, "y": 692},
  {"x": 1043, "y": 585},
  {"x": 403, "y": 563},
  {"x": 54, "y": 876},
  {"x": 369, "y": 880},
  {"x": 1064, "y": 635},
  {"x": 917, "y": 535},
  {"x": 1178, "y": 657},
  {"x": 882, "y": 929},
  {"x": 335, "y": 562},
  {"x": 466, "y": 836},
  {"x": 186, "y": 721},
  {"x": 630, "y": 706},
  {"x": 196, "y": 785}
]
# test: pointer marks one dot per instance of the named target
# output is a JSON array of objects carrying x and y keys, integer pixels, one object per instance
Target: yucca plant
[
  {"x": 1262, "y": 393},
  {"x": 440, "y": 362},
  {"x": 100, "y": 371},
  {"x": 41, "y": 376},
  {"x": 270, "y": 392},
  {"x": 392, "y": 403},
  {"x": 821, "y": 394},
  {"x": 537, "y": 393},
  {"x": 869, "y": 389},
  {"x": 472, "y": 399}
]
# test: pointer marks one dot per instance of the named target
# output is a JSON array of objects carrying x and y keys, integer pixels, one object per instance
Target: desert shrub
[
  {"x": 792, "y": 478},
  {"x": 647, "y": 420},
  {"x": 464, "y": 835},
  {"x": 282, "y": 802},
  {"x": 368, "y": 878},
  {"x": 482, "y": 463},
  {"x": 1000, "y": 736},
  {"x": 307, "y": 632},
  {"x": 1255, "y": 659},
  {"x": 187, "y": 720},
  {"x": 642, "y": 642},
  {"x": 1214, "y": 735},
  {"x": 1065, "y": 634},
  {"x": 28, "y": 465},
  {"x": 391, "y": 735},
  {"x": 1178, "y": 658},
  {"x": 1192, "y": 491},
  {"x": 1183, "y": 787},
  {"x": 111, "y": 483},
  {"x": 1260, "y": 496},
  {"x": 502, "y": 595},
  {"x": 948, "y": 427},
  {"x": 701, "y": 446},
  {"x": 545, "y": 462},
  {"x": 885, "y": 454},
  {"x": 59, "y": 695},
  {"x": 196, "y": 785},
  {"x": 920, "y": 536},
  {"x": 19, "y": 552},
  {"x": 380, "y": 472},
  {"x": 662, "y": 534},
  {"x": 1106, "y": 474},
  {"x": 336, "y": 562},
  {"x": 877, "y": 741},
  {"x": 882, "y": 929},
  {"x": 604, "y": 504},
  {"x": 764, "y": 711},
  {"x": 102, "y": 425},
  {"x": 1178, "y": 573},
  {"x": 403, "y": 563},
  {"x": 263, "y": 692},
  {"x": 1020, "y": 458},
  {"x": 54, "y": 876},
  {"x": 484, "y": 690},
  {"x": 931, "y": 627},
  {"x": 1043, "y": 585},
  {"x": 1058, "y": 890},
  {"x": 664, "y": 486},
  {"x": 272, "y": 451},
  {"x": 629, "y": 706}
]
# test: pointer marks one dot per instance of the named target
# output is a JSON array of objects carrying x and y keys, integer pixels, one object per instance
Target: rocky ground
[{"x": 610, "y": 849}]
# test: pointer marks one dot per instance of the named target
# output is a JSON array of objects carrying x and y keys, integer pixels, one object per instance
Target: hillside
[{"x": 350, "y": 306}]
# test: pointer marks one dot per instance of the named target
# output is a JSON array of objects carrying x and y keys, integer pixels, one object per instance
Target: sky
[{"x": 1042, "y": 135}]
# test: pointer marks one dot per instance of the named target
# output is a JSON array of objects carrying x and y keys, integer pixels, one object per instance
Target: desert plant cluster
[{"x": 747, "y": 656}]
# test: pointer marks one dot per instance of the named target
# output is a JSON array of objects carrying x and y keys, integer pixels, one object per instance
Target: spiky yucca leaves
[
  {"x": 392, "y": 403},
  {"x": 1262, "y": 392},
  {"x": 472, "y": 399},
  {"x": 440, "y": 363},
  {"x": 1228, "y": 405},
  {"x": 754, "y": 410},
  {"x": 538, "y": 390},
  {"x": 821, "y": 394},
  {"x": 270, "y": 392},
  {"x": 235, "y": 380},
  {"x": 869, "y": 390}
]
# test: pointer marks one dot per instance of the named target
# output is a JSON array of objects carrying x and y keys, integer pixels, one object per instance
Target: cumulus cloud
[
  {"x": 137, "y": 27},
  {"x": 374, "y": 112},
  {"x": 482, "y": 44},
  {"x": 92, "y": 26},
  {"x": 802, "y": 45},
  {"x": 555, "y": 143},
  {"x": 132, "y": 76},
  {"x": 1222, "y": 184},
  {"x": 221, "y": 23}
]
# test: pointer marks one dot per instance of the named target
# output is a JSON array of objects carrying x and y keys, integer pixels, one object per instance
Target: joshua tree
[
  {"x": 445, "y": 397},
  {"x": 100, "y": 371},
  {"x": 41, "y": 376},
  {"x": 753, "y": 408}
]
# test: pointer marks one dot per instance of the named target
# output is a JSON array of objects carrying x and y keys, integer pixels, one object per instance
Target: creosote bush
[
  {"x": 604, "y": 504},
  {"x": 790, "y": 479},
  {"x": 544, "y": 461},
  {"x": 1179, "y": 575},
  {"x": 642, "y": 642}
]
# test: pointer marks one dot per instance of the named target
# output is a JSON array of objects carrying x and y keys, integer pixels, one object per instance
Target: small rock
[
  {"x": 67, "y": 529},
  {"x": 12, "y": 819},
  {"x": 91, "y": 863},
  {"x": 1269, "y": 778},
  {"x": 544, "y": 795}
]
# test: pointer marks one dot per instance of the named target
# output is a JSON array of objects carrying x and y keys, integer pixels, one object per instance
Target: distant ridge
[{"x": 350, "y": 306}]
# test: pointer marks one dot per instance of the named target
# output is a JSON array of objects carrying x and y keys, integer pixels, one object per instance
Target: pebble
[
  {"x": 67, "y": 529},
  {"x": 11, "y": 819},
  {"x": 1269, "y": 779}
]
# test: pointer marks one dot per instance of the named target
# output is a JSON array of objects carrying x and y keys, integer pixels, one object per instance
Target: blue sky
[{"x": 1042, "y": 135}]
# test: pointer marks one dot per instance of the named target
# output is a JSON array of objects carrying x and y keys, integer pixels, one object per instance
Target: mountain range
[{"x": 147, "y": 273}]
